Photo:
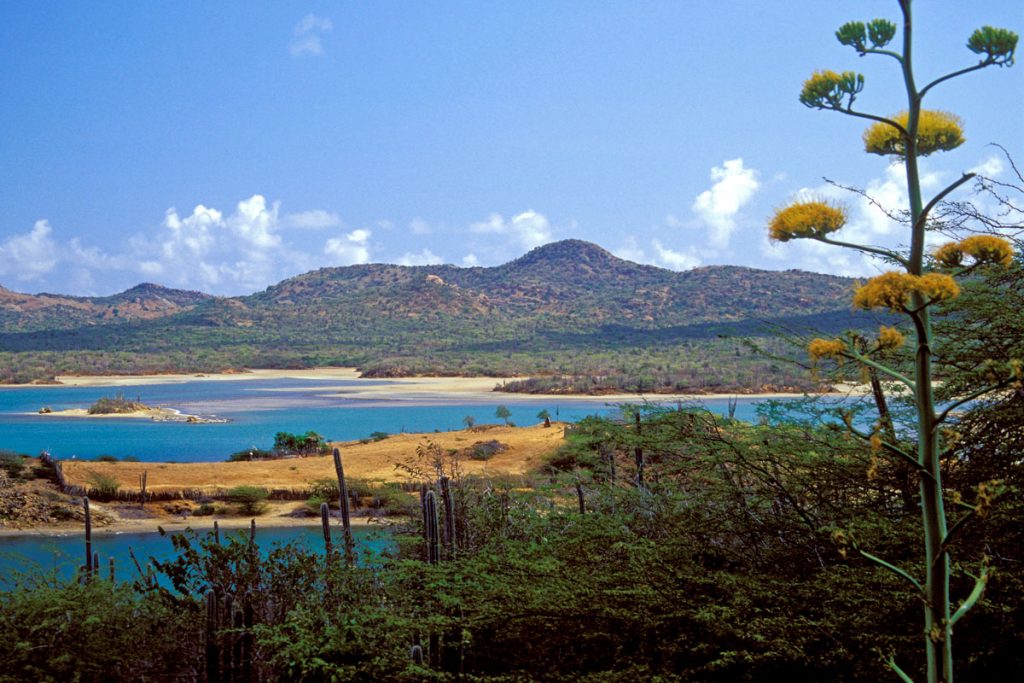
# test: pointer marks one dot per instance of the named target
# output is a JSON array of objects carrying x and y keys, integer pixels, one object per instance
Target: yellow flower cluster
[
  {"x": 889, "y": 338},
  {"x": 826, "y": 348},
  {"x": 982, "y": 248},
  {"x": 988, "y": 249},
  {"x": 949, "y": 255},
  {"x": 936, "y": 131},
  {"x": 807, "y": 219},
  {"x": 828, "y": 89},
  {"x": 893, "y": 290}
]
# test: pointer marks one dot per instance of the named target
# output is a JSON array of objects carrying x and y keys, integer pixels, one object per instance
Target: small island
[{"x": 122, "y": 407}]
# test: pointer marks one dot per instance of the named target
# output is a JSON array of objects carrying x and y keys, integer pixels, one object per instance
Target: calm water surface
[
  {"x": 62, "y": 555},
  {"x": 256, "y": 410}
]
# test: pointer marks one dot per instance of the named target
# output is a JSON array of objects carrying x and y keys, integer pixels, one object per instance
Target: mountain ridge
[{"x": 536, "y": 313}]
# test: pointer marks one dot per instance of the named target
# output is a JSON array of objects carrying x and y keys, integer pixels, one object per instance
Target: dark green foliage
[
  {"x": 95, "y": 631},
  {"x": 252, "y": 454},
  {"x": 12, "y": 464},
  {"x": 309, "y": 443},
  {"x": 114, "y": 405},
  {"x": 250, "y": 499},
  {"x": 106, "y": 458}
]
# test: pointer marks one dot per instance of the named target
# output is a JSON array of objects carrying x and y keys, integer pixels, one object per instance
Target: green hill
[{"x": 567, "y": 307}]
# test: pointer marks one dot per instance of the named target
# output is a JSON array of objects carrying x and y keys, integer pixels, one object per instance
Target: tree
[
  {"x": 546, "y": 416},
  {"x": 919, "y": 282},
  {"x": 469, "y": 421},
  {"x": 250, "y": 499},
  {"x": 503, "y": 413}
]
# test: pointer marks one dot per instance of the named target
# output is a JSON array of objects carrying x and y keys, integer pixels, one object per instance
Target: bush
[
  {"x": 106, "y": 458},
  {"x": 115, "y": 406},
  {"x": 203, "y": 510},
  {"x": 309, "y": 443},
  {"x": 102, "y": 486},
  {"x": 12, "y": 463},
  {"x": 253, "y": 454},
  {"x": 250, "y": 499},
  {"x": 485, "y": 450}
]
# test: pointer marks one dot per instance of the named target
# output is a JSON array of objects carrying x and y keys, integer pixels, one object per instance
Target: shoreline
[
  {"x": 401, "y": 388},
  {"x": 150, "y": 526}
]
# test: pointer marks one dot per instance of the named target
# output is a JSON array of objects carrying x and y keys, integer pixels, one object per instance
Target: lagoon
[
  {"x": 256, "y": 409},
  {"x": 36, "y": 556}
]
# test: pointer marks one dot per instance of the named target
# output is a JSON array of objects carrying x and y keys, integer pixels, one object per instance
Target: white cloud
[
  {"x": 209, "y": 250},
  {"x": 991, "y": 167},
  {"x": 307, "y": 35},
  {"x": 423, "y": 258},
  {"x": 631, "y": 251},
  {"x": 31, "y": 255},
  {"x": 317, "y": 219},
  {"x": 254, "y": 224},
  {"x": 529, "y": 228},
  {"x": 470, "y": 260},
  {"x": 718, "y": 206},
  {"x": 675, "y": 260},
  {"x": 350, "y": 248}
]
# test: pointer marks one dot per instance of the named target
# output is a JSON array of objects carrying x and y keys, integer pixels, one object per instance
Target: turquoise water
[
  {"x": 63, "y": 555},
  {"x": 256, "y": 410}
]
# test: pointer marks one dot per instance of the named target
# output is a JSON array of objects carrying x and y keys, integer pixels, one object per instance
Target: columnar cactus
[
  {"x": 325, "y": 524},
  {"x": 430, "y": 524},
  {"x": 449, "y": 536},
  {"x": 212, "y": 651},
  {"x": 343, "y": 506},
  {"x": 88, "y": 538}
]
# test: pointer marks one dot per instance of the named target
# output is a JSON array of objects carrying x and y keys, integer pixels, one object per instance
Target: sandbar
[{"x": 410, "y": 388}]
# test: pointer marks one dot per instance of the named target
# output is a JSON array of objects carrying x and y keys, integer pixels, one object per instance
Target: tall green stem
[{"x": 938, "y": 634}]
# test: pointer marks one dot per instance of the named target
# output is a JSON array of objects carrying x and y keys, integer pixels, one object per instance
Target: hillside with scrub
[{"x": 569, "y": 311}]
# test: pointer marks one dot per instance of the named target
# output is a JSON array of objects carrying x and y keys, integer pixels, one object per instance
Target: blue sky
[{"x": 224, "y": 146}]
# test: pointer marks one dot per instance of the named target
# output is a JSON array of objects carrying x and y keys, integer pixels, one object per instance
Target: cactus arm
[
  {"x": 898, "y": 671},
  {"x": 948, "y": 539},
  {"x": 878, "y": 251},
  {"x": 972, "y": 599},
  {"x": 892, "y": 568},
  {"x": 921, "y": 220},
  {"x": 966, "y": 70},
  {"x": 889, "y": 372},
  {"x": 967, "y": 399},
  {"x": 886, "y": 53}
]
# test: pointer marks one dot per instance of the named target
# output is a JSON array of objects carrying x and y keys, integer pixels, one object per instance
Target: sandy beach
[
  {"x": 167, "y": 414},
  {"x": 400, "y": 388},
  {"x": 277, "y": 516}
]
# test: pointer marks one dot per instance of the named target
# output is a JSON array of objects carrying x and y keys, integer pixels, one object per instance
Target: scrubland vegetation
[{"x": 822, "y": 543}]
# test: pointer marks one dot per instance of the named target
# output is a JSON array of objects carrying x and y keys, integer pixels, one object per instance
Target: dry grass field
[{"x": 375, "y": 461}]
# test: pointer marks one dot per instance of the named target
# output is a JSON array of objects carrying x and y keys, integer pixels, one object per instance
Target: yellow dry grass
[{"x": 374, "y": 461}]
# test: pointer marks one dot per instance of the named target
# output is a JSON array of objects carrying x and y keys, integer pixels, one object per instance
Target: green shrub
[
  {"x": 115, "y": 406},
  {"x": 253, "y": 454},
  {"x": 12, "y": 463},
  {"x": 250, "y": 499},
  {"x": 103, "y": 486},
  {"x": 203, "y": 510},
  {"x": 106, "y": 458}
]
